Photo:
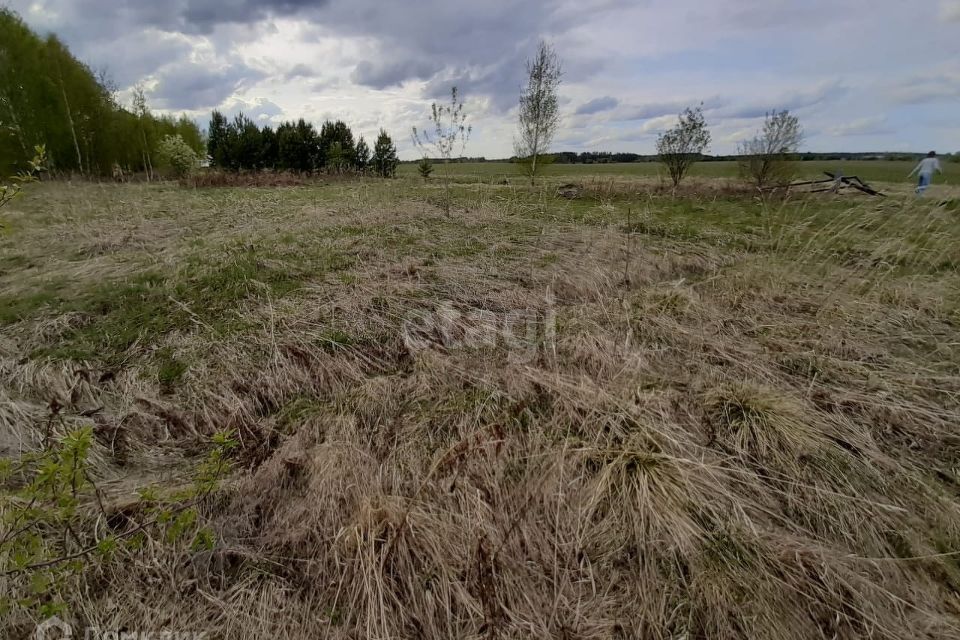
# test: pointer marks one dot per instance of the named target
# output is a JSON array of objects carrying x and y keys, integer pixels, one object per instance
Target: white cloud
[{"x": 876, "y": 125}]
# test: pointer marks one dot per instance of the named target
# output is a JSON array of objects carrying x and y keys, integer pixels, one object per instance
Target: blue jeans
[{"x": 923, "y": 182}]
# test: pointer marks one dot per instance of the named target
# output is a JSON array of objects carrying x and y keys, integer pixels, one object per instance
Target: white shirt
[{"x": 927, "y": 166}]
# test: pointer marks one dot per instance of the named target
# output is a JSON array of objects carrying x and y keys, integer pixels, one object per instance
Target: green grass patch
[{"x": 203, "y": 295}]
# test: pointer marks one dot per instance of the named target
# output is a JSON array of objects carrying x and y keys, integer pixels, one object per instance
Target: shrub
[
  {"x": 9, "y": 192},
  {"x": 764, "y": 159},
  {"x": 176, "y": 154},
  {"x": 684, "y": 144},
  {"x": 52, "y": 515}
]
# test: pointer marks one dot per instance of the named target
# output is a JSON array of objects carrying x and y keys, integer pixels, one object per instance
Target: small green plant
[
  {"x": 34, "y": 167},
  {"x": 52, "y": 518},
  {"x": 425, "y": 168},
  {"x": 178, "y": 156}
]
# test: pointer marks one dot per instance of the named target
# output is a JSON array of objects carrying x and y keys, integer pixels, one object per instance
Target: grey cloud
[
  {"x": 943, "y": 87},
  {"x": 193, "y": 86},
  {"x": 476, "y": 42},
  {"x": 668, "y": 108},
  {"x": 482, "y": 45},
  {"x": 789, "y": 102},
  {"x": 197, "y": 16},
  {"x": 654, "y": 110},
  {"x": 383, "y": 75},
  {"x": 499, "y": 82},
  {"x": 597, "y": 105},
  {"x": 140, "y": 55},
  {"x": 950, "y": 10},
  {"x": 299, "y": 71},
  {"x": 862, "y": 127},
  {"x": 782, "y": 14}
]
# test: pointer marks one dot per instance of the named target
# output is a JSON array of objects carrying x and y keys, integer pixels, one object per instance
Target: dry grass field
[{"x": 633, "y": 414}]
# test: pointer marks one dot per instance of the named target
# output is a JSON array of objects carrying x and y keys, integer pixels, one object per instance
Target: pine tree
[
  {"x": 332, "y": 133},
  {"x": 269, "y": 150},
  {"x": 217, "y": 140},
  {"x": 297, "y": 146},
  {"x": 362, "y": 153},
  {"x": 385, "y": 159}
]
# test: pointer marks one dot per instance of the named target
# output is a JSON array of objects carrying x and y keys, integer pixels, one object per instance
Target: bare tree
[
  {"x": 684, "y": 144},
  {"x": 539, "y": 109},
  {"x": 765, "y": 158},
  {"x": 450, "y": 131},
  {"x": 142, "y": 112}
]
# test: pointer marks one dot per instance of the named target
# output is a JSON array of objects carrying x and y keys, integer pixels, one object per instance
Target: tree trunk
[
  {"x": 147, "y": 164},
  {"x": 73, "y": 131}
]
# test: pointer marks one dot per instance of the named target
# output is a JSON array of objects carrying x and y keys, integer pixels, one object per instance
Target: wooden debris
[{"x": 837, "y": 183}]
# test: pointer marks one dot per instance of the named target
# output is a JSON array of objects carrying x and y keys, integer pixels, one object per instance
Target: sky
[{"x": 862, "y": 75}]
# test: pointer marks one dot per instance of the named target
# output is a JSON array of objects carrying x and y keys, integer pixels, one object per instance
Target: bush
[
  {"x": 765, "y": 159},
  {"x": 176, "y": 154},
  {"x": 213, "y": 178},
  {"x": 684, "y": 144},
  {"x": 9, "y": 192}
]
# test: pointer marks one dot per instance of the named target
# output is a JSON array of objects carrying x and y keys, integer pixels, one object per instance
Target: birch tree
[{"x": 539, "y": 115}]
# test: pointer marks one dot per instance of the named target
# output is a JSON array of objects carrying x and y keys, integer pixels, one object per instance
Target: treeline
[
  {"x": 241, "y": 145},
  {"x": 606, "y": 157},
  {"x": 48, "y": 97}
]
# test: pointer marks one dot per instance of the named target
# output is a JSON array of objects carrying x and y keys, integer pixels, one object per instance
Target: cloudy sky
[{"x": 861, "y": 74}]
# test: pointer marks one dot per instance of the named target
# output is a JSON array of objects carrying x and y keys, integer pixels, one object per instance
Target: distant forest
[{"x": 49, "y": 97}]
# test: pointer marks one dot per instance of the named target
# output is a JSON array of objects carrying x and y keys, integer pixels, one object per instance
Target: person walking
[{"x": 925, "y": 171}]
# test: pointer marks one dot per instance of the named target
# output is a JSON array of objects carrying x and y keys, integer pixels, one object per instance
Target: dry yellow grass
[{"x": 730, "y": 418}]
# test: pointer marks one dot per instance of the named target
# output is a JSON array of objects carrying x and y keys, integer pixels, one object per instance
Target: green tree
[
  {"x": 337, "y": 159},
  {"x": 49, "y": 97},
  {"x": 217, "y": 140},
  {"x": 384, "y": 160},
  {"x": 332, "y": 133},
  {"x": 248, "y": 144},
  {"x": 269, "y": 148},
  {"x": 362, "y": 155},
  {"x": 684, "y": 144},
  {"x": 539, "y": 114},
  {"x": 297, "y": 146}
]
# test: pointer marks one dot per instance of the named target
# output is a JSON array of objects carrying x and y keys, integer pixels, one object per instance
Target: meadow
[
  {"x": 635, "y": 413},
  {"x": 868, "y": 170}
]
